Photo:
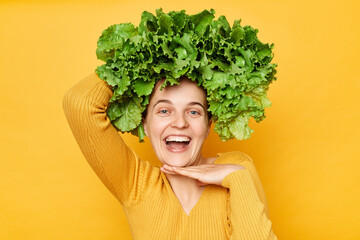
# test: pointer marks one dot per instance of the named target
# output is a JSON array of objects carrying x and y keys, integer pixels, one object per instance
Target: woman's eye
[
  {"x": 163, "y": 111},
  {"x": 194, "y": 112}
]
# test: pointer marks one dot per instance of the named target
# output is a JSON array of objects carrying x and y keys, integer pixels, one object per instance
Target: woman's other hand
[{"x": 204, "y": 174}]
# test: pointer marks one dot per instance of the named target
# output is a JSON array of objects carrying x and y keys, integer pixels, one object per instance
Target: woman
[{"x": 189, "y": 197}]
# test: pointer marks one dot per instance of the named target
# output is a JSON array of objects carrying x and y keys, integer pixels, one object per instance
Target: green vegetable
[{"x": 230, "y": 63}]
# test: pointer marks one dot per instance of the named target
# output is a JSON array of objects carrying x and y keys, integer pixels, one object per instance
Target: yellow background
[{"x": 306, "y": 151}]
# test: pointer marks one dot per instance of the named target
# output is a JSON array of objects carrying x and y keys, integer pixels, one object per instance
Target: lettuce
[{"x": 230, "y": 63}]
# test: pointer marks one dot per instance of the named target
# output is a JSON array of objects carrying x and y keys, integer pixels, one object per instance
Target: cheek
[
  {"x": 156, "y": 127},
  {"x": 200, "y": 128}
]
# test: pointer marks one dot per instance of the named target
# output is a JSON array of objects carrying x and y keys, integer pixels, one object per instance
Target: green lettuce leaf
[
  {"x": 130, "y": 116},
  {"x": 239, "y": 127},
  {"x": 229, "y": 62}
]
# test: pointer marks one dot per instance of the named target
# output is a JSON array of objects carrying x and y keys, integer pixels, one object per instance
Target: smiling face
[{"x": 177, "y": 123}]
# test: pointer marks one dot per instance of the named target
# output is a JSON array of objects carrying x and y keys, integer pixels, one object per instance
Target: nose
[{"x": 179, "y": 121}]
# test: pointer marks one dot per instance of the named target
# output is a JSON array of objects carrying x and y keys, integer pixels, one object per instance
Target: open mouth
[{"x": 177, "y": 142}]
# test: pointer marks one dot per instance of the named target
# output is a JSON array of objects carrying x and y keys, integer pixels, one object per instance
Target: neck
[{"x": 184, "y": 187}]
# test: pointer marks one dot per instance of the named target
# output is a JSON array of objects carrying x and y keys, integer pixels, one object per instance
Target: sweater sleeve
[
  {"x": 117, "y": 166},
  {"x": 248, "y": 213}
]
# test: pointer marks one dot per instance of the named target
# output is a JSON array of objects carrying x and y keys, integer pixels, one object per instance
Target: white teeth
[{"x": 177, "y": 139}]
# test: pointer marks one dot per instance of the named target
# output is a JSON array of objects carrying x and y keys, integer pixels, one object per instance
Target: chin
[
  {"x": 177, "y": 159},
  {"x": 178, "y": 162}
]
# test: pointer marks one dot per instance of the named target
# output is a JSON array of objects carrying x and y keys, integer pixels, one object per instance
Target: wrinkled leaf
[{"x": 230, "y": 63}]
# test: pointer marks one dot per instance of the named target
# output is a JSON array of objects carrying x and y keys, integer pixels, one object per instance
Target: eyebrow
[{"x": 169, "y": 102}]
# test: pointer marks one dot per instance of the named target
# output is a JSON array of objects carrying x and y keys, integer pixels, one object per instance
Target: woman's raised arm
[{"x": 116, "y": 165}]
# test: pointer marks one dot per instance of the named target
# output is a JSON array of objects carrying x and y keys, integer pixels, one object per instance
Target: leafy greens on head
[{"x": 230, "y": 63}]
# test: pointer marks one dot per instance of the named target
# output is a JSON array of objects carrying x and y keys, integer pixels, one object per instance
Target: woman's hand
[{"x": 204, "y": 174}]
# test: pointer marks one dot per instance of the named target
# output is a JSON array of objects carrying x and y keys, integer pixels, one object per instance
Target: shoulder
[{"x": 235, "y": 157}]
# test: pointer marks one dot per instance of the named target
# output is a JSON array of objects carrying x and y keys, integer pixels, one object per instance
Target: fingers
[
  {"x": 168, "y": 168},
  {"x": 177, "y": 171},
  {"x": 205, "y": 174},
  {"x": 199, "y": 168},
  {"x": 187, "y": 172},
  {"x": 171, "y": 170},
  {"x": 192, "y": 173},
  {"x": 167, "y": 171}
]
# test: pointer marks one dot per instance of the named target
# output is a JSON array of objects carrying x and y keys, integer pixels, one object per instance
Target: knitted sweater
[{"x": 235, "y": 210}]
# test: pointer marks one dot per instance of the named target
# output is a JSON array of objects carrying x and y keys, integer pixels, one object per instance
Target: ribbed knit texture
[{"x": 235, "y": 210}]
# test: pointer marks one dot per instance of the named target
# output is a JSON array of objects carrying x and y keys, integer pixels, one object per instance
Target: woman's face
[{"x": 177, "y": 123}]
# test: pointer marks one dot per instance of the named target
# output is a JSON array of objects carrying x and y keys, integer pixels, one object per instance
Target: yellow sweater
[{"x": 235, "y": 210}]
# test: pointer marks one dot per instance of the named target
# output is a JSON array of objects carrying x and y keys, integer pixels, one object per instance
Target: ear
[
  {"x": 208, "y": 128},
  {"x": 145, "y": 128}
]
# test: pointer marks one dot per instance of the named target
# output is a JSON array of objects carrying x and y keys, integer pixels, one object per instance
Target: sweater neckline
[{"x": 178, "y": 203}]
